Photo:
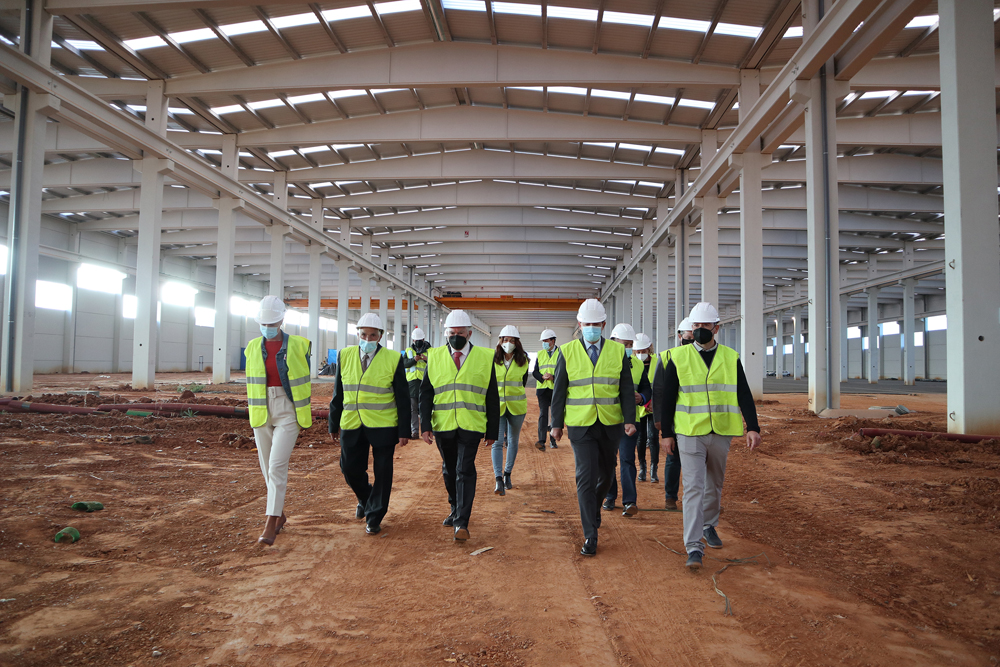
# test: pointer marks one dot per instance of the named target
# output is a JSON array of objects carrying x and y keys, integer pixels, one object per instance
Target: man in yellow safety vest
[
  {"x": 370, "y": 409},
  {"x": 593, "y": 396},
  {"x": 544, "y": 373},
  {"x": 459, "y": 406},
  {"x": 704, "y": 390}
]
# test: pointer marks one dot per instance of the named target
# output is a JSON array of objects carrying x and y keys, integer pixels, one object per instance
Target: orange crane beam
[
  {"x": 509, "y": 303},
  {"x": 354, "y": 304}
]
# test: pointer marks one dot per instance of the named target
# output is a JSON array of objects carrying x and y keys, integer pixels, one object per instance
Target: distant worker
[
  {"x": 624, "y": 333},
  {"x": 593, "y": 397},
  {"x": 459, "y": 405},
  {"x": 371, "y": 411},
  {"x": 510, "y": 363},
  {"x": 415, "y": 363},
  {"x": 704, "y": 391},
  {"x": 544, "y": 372},
  {"x": 648, "y": 438},
  {"x": 279, "y": 400},
  {"x": 672, "y": 463}
]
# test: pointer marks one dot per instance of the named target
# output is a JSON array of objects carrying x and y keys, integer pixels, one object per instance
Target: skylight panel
[
  {"x": 265, "y": 104},
  {"x": 377, "y": 91},
  {"x": 794, "y": 31},
  {"x": 612, "y": 94},
  {"x": 465, "y": 5},
  {"x": 144, "y": 43},
  {"x": 186, "y": 36},
  {"x": 602, "y": 144},
  {"x": 340, "y": 147},
  {"x": 235, "y": 29},
  {"x": 634, "y": 147},
  {"x": 737, "y": 30},
  {"x": 345, "y": 13},
  {"x": 232, "y": 108},
  {"x": 313, "y": 149},
  {"x": 335, "y": 94},
  {"x": 84, "y": 45},
  {"x": 517, "y": 8},
  {"x": 568, "y": 90},
  {"x": 294, "y": 20},
  {"x": 651, "y": 185},
  {"x": 303, "y": 99},
  {"x": 876, "y": 94},
  {"x": 629, "y": 19},
  {"x": 669, "y": 151},
  {"x": 278, "y": 154},
  {"x": 535, "y": 88},
  {"x": 397, "y": 6},
  {"x": 654, "y": 99},
  {"x": 697, "y": 104},
  {"x": 690, "y": 25},
  {"x": 570, "y": 13},
  {"x": 923, "y": 21}
]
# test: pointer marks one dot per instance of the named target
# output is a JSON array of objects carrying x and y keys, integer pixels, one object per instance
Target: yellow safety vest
[
  {"x": 593, "y": 389},
  {"x": 368, "y": 396},
  {"x": 459, "y": 394},
  {"x": 637, "y": 368},
  {"x": 706, "y": 402},
  {"x": 510, "y": 382},
  {"x": 298, "y": 380},
  {"x": 414, "y": 373},
  {"x": 547, "y": 364},
  {"x": 664, "y": 358}
]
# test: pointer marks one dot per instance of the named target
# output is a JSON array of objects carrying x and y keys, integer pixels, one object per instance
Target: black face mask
[
  {"x": 420, "y": 345},
  {"x": 702, "y": 336},
  {"x": 457, "y": 342},
  {"x": 687, "y": 341}
]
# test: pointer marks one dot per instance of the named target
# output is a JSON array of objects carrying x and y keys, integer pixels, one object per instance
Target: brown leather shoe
[
  {"x": 461, "y": 534},
  {"x": 671, "y": 505}
]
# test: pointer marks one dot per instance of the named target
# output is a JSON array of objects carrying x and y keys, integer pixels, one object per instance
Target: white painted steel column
[
  {"x": 147, "y": 276},
  {"x": 647, "y": 269},
  {"x": 779, "y": 344},
  {"x": 822, "y": 227},
  {"x": 221, "y": 359},
  {"x": 627, "y": 310},
  {"x": 343, "y": 300},
  {"x": 278, "y": 233},
  {"x": 798, "y": 347},
  {"x": 844, "y": 345},
  {"x": 315, "y": 283},
  {"x": 366, "y": 279},
  {"x": 636, "y": 300},
  {"x": 25, "y": 211},
  {"x": 383, "y": 297},
  {"x": 972, "y": 258},
  {"x": 397, "y": 311},
  {"x": 662, "y": 326},
  {"x": 873, "y": 336},
  {"x": 751, "y": 246},
  {"x": 909, "y": 331}
]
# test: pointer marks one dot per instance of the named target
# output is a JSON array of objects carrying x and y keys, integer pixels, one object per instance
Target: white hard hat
[
  {"x": 642, "y": 341},
  {"x": 548, "y": 333},
  {"x": 510, "y": 330},
  {"x": 271, "y": 310},
  {"x": 623, "y": 331},
  {"x": 591, "y": 310},
  {"x": 703, "y": 312},
  {"x": 418, "y": 334},
  {"x": 457, "y": 318},
  {"x": 371, "y": 320},
  {"x": 685, "y": 325}
]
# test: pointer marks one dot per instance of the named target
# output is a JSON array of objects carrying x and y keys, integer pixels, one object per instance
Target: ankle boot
[
  {"x": 642, "y": 471},
  {"x": 500, "y": 490},
  {"x": 652, "y": 475},
  {"x": 506, "y": 481}
]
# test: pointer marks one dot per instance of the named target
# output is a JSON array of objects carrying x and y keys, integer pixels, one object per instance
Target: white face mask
[
  {"x": 508, "y": 347},
  {"x": 642, "y": 356}
]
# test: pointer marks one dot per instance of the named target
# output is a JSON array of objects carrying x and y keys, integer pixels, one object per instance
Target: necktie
[
  {"x": 457, "y": 356},
  {"x": 593, "y": 354},
  {"x": 364, "y": 363}
]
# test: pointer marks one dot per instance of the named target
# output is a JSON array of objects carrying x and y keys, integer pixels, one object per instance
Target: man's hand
[
  {"x": 335, "y": 437},
  {"x": 547, "y": 376},
  {"x": 427, "y": 436},
  {"x": 422, "y": 357},
  {"x": 403, "y": 442},
  {"x": 656, "y": 425},
  {"x": 489, "y": 443},
  {"x": 667, "y": 445},
  {"x": 638, "y": 399},
  {"x": 630, "y": 430},
  {"x": 753, "y": 440},
  {"x": 556, "y": 434}
]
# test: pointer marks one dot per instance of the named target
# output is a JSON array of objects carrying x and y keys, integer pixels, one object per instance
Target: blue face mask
[
  {"x": 368, "y": 346},
  {"x": 268, "y": 332},
  {"x": 628, "y": 352},
  {"x": 591, "y": 334}
]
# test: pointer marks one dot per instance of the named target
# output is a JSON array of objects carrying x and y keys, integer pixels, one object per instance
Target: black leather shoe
[
  {"x": 540, "y": 445},
  {"x": 500, "y": 489},
  {"x": 608, "y": 504},
  {"x": 694, "y": 560},
  {"x": 652, "y": 475},
  {"x": 589, "y": 547},
  {"x": 553, "y": 445},
  {"x": 506, "y": 480},
  {"x": 373, "y": 529},
  {"x": 642, "y": 474},
  {"x": 461, "y": 534},
  {"x": 360, "y": 512},
  {"x": 450, "y": 519},
  {"x": 630, "y": 510},
  {"x": 712, "y": 538}
]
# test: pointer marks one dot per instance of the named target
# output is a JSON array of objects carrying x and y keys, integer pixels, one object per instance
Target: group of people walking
[{"x": 614, "y": 397}]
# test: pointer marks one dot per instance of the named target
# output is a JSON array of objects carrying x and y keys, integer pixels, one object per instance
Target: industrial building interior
[{"x": 820, "y": 170}]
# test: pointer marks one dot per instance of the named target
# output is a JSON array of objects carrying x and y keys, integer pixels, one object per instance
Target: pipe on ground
[{"x": 959, "y": 437}]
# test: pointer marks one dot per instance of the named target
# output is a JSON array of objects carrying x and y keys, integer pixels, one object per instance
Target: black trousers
[
  {"x": 458, "y": 450},
  {"x": 544, "y": 397},
  {"x": 354, "y": 447},
  {"x": 595, "y": 449},
  {"x": 649, "y": 438}
]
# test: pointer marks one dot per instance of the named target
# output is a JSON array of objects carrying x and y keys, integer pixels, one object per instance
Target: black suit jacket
[{"x": 626, "y": 390}]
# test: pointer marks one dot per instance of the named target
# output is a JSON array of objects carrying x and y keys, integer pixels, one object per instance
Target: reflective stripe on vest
[
  {"x": 706, "y": 402},
  {"x": 510, "y": 382},
  {"x": 459, "y": 394},
  {"x": 296, "y": 356},
  {"x": 593, "y": 389},
  {"x": 547, "y": 364},
  {"x": 368, "y": 396},
  {"x": 414, "y": 373}
]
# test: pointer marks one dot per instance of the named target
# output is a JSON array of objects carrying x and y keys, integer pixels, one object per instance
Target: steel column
[
  {"x": 315, "y": 281},
  {"x": 751, "y": 246},
  {"x": 798, "y": 347},
  {"x": 844, "y": 345},
  {"x": 662, "y": 326},
  {"x": 343, "y": 296},
  {"x": 221, "y": 359},
  {"x": 873, "y": 336},
  {"x": 647, "y": 269}
]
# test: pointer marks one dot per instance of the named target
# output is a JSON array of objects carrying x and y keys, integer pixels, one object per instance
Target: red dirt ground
[{"x": 882, "y": 556}]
